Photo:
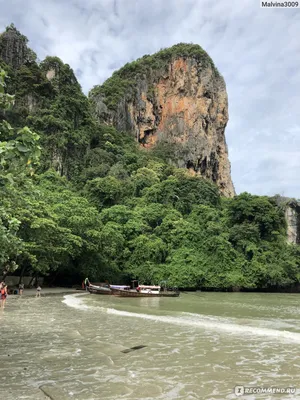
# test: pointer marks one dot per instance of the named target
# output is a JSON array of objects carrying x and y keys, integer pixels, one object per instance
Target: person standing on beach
[
  {"x": 21, "y": 288},
  {"x": 3, "y": 294},
  {"x": 86, "y": 283},
  {"x": 38, "y": 291}
]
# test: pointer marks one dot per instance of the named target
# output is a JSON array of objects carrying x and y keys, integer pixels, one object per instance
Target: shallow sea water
[{"x": 198, "y": 346}]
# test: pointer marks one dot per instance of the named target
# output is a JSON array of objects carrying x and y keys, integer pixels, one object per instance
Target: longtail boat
[
  {"x": 119, "y": 287},
  {"x": 145, "y": 291},
  {"x": 108, "y": 289},
  {"x": 99, "y": 289}
]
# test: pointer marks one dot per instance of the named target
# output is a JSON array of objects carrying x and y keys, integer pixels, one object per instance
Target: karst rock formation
[{"x": 175, "y": 98}]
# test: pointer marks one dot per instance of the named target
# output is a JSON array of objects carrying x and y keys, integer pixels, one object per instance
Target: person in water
[
  {"x": 21, "y": 288},
  {"x": 38, "y": 291},
  {"x": 3, "y": 294}
]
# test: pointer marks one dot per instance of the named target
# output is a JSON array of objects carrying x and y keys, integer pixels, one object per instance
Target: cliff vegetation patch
[{"x": 121, "y": 81}]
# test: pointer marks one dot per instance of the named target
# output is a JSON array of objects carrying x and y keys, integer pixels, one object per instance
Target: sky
[{"x": 257, "y": 50}]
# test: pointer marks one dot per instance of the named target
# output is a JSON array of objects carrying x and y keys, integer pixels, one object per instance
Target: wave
[
  {"x": 74, "y": 300},
  {"x": 212, "y": 323}
]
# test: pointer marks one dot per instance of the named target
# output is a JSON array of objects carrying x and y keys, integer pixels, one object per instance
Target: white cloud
[{"x": 256, "y": 50}]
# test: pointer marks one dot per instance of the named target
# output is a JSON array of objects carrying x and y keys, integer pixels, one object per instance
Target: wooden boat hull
[
  {"x": 131, "y": 293},
  {"x": 99, "y": 290}
]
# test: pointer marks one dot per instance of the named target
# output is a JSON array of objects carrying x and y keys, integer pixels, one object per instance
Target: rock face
[
  {"x": 13, "y": 48},
  {"x": 39, "y": 88},
  {"x": 292, "y": 216},
  {"x": 15, "y": 54},
  {"x": 182, "y": 105},
  {"x": 291, "y": 209}
]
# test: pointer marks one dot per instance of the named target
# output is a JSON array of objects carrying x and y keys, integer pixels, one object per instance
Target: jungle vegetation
[{"x": 80, "y": 199}]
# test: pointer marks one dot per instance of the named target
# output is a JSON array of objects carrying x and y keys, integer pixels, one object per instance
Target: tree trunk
[
  {"x": 30, "y": 283},
  {"x": 22, "y": 274},
  {"x": 55, "y": 276}
]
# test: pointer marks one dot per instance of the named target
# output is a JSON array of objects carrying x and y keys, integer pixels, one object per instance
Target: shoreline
[{"x": 45, "y": 292}]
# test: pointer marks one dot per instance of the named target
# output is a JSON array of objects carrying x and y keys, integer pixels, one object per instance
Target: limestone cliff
[
  {"x": 291, "y": 209},
  {"x": 13, "y": 48},
  {"x": 292, "y": 216},
  {"x": 19, "y": 61},
  {"x": 175, "y": 97},
  {"x": 49, "y": 99}
]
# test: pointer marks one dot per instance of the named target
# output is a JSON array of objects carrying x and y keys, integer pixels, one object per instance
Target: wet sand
[{"x": 46, "y": 292}]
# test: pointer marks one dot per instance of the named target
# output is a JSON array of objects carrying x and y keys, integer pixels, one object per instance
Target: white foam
[
  {"x": 74, "y": 300},
  {"x": 214, "y": 324},
  {"x": 209, "y": 322}
]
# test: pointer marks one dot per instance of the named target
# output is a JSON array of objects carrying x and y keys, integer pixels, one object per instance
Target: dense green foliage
[
  {"x": 56, "y": 108},
  {"x": 122, "y": 81},
  {"x": 19, "y": 152},
  {"x": 93, "y": 203}
]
